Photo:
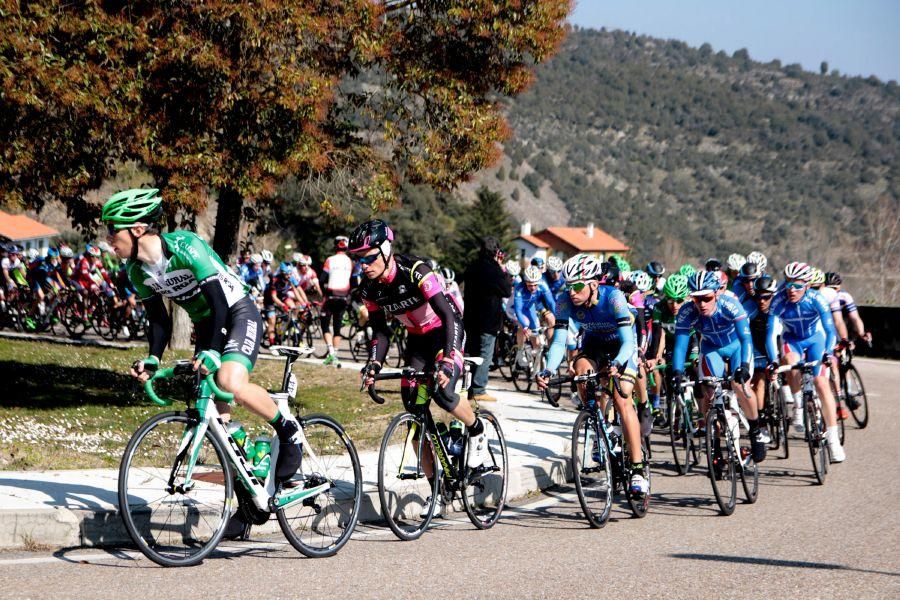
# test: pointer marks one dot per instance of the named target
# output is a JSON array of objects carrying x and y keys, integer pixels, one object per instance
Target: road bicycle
[
  {"x": 530, "y": 360},
  {"x": 725, "y": 458},
  {"x": 683, "y": 413},
  {"x": 776, "y": 415},
  {"x": 851, "y": 387},
  {"x": 409, "y": 477},
  {"x": 599, "y": 452},
  {"x": 813, "y": 421},
  {"x": 183, "y": 476}
]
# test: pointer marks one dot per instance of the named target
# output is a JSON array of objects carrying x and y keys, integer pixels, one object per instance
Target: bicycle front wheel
[
  {"x": 173, "y": 524},
  {"x": 320, "y": 525},
  {"x": 855, "y": 396},
  {"x": 592, "y": 468},
  {"x": 680, "y": 436},
  {"x": 484, "y": 494},
  {"x": 815, "y": 438},
  {"x": 720, "y": 459},
  {"x": 750, "y": 479},
  {"x": 407, "y": 492}
]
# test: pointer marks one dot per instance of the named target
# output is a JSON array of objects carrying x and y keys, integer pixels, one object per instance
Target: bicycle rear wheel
[
  {"x": 815, "y": 438},
  {"x": 320, "y": 525},
  {"x": 171, "y": 526},
  {"x": 407, "y": 496},
  {"x": 484, "y": 494},
  {"x": 592, "y": 468},
  {"x": 720, "y": 460},
  {"x": 855, "y": 394}
]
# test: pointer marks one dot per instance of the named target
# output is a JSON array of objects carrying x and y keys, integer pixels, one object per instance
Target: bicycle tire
[
  {"x": 721, "y": 468},
  {"x": 211, "y": 485},
  {"x": 680, "y": 437},
  {"x": 861, "y": 413},
  {"x": 815, "y": 438},
  {"x": 639, "y": 504},
  {"x": 750, "y": 480},
  {"x": 74, "y": 320},
  {"x": 593, "y": 484},
  {"x": 485, "y": 507},
  {"x": 312, "y": 514},
  {"x": 394, "y": 456}
]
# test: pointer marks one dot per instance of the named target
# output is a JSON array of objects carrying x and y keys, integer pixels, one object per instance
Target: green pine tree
[{"x": 487, "y": 217}]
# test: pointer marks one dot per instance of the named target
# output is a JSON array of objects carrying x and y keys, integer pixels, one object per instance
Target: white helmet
[
  {"x": 267, "y": 256},
  {"x": 32, "y": 253},
  {"x": 297, "y": 257},
  {"x": 736, "y": 261},
  {"x": 660, "y": 283},
  {"x": 513, "y": 267},
  {"x": 555, "y": 264},
  {"x": 642, "y": 281},
  {"x": 625, "y": 275},
  {"x": 256, "y": 258},
  {"x": 104, "y": 247},
  {"x": 798, "y": 270},
  {"x": 532, "y": 274},
  {"x": 305, "y": 260},
  {"x": 759, "y": 258},
  {"x": 581, "y": 267},
  {"x": 66, "y": 252}
]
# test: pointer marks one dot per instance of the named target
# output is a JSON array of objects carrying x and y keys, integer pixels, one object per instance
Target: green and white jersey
[{"x": 187, "y": 262}]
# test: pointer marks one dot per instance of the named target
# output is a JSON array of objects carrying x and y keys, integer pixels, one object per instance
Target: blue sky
[{"x": 857, "y": 37}]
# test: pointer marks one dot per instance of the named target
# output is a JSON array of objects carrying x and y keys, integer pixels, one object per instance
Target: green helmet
[
  {"x": 687, "y": 270},
  {"x": 676, "y": 287},
  {"x": 140, "y": 205},
  {"x": 620, "y": 262}
]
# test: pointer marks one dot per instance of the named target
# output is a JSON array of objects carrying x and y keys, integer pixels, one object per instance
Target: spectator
[{"x": 486, "y": 285}]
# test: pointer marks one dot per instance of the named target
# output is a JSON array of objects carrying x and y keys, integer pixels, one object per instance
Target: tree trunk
[
  {"x": 228, "y": 223},
  {"x": 181, "y": 328}
]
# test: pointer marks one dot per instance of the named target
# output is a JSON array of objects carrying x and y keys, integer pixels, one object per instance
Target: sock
[
  {"x": 798, "y": 399},
  {"x": 330, "y": 348},
  {"x": 754, "y": 425},
  {"x": 285, "y": 428},
  {"x": 476, "y": 428},
  {"x": 654, "y": 400}
]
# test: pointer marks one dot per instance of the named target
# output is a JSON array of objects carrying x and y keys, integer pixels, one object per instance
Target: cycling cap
[
  {"x": 448, "y": 274},
  {"x": 676, "y": 287},
  {"x": 256, "y": 259},
  {"x": 750, "y": 270},
  {"x": 713, "y": 264},
  {"x": 555, "y": 264},
  {"x": 129, "y": 207},
  {"x": 798, "y": 270},
  {"x": 736, "y": 261},
  {"x": 641, "y": 280},
  {"x": 267, "y": 256},
  {"x": 759, "y": 258},
  {"x": 581, "y": 267},
  {"x": 818, "y": 277},
  {"x": 371, "y": 234},
  {"x": 655, "y": 268},
  {"x": 532, "y": 274},
  {"x": 704, "y": 282},
  {"x": 833, "y": 279},
  {"x": 766, "y": 283},
  {"x": 513, "y": 267}
]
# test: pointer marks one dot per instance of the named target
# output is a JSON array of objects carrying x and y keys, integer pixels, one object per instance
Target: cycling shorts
[
  {"x": 809, "y": 349},
  {"x": 244, "y": 327},
  {"x": 333, "y": 313},
  {"x": 713, "y": 359},
  {"x": 422, "y": 352},
  {"x": 599, "y": 352}
]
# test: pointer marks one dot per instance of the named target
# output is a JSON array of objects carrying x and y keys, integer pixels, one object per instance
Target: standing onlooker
[
  {"x": 486, "y": 285},
  {"x": 336, "y": 273}
]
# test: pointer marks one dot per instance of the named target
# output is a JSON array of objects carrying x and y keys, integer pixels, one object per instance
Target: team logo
[
  {"x": 401, "y": 289},
  {"x": 426, "y": 287}
]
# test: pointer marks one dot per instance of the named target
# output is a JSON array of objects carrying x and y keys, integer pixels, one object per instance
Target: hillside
[{"x": 688, "y": 153}]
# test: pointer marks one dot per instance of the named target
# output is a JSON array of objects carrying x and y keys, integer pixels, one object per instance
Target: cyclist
[
  {"x": 841, "y": 304},
  {"x": 818, "y": 279},
  {"x": 742, "y": 286},
  {"x": 760, "y": 259},
  {"x": 181, "y": 266},
  {"x": 407, "y": 288},
  {"x": 533, "y": 304},
  {"x": 537, "y": 261},
  {"x": 801, "y": 311},
  {"x": 602, "y": 314},
  {"x": 733, "y": 265},
  {"x": 336, "y": 274},
  {"x": 662, "y": 337},
  {"x": 450, "y": 285},
  {"x": 757, "y": 307},
  {"x": 724, "y": 336},
  {"x": 656, "y": 271},
  {"x": 253, "y": 275},
  {"x": 553, "y": 277},
  {"x": 712, "y": 264},
  {"x": 309, "y": 281}
]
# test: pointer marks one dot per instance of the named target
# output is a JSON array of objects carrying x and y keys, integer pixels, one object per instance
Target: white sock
[
  {"x": 832, "y": 435},
  {"x": 330, "y": 349}
]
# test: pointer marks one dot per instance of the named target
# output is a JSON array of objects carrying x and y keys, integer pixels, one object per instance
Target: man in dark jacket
[{"x": 486, "y": 285}]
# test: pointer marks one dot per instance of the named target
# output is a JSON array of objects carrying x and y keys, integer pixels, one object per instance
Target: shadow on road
[{"x": 775, "y": 562}]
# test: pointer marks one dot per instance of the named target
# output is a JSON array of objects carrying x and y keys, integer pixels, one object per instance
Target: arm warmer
[
  {"x": 557, "y": 347},
  {"x": 160, "y": 325},
  {"x": 381, "y": 335},
  {"x": 678, "y": 353},
  {"x": 657, "y": 332},
  {"x": 743, "y": 332},
  {"x": 628, "y": 348},
  {"x": 453, "y": 327},
  {"x": 218, "y": 306}
]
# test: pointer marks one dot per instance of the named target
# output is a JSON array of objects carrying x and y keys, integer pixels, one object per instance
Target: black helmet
[
  {"x": 713, "y": 264},
  {"x": 371, "y": 234},
  {"x": 766, "y": 283},
  {"x": 750, "y": 270},
  {"x": 654, "y": 268},
  {"x": 832, "y": 279}
]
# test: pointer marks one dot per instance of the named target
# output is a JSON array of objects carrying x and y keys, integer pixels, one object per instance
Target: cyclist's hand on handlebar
[
  {"x": 142, "y": 370},
  {"x": 677, "y": 378},
  {"x": 443, "y": 371},
  {"x": 367, "y": 373},
  {"x": 542, "y": 378},
  {"x": 770, "y": 370},
  {"x": 207, "y": 361},
  {"x": 613, "y": 369}
]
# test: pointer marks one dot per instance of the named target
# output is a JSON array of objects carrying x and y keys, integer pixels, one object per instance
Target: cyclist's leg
[{"x": 814, "y": 350}]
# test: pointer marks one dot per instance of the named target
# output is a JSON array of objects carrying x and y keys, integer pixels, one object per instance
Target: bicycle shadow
[{"x": 775, "y": 562}]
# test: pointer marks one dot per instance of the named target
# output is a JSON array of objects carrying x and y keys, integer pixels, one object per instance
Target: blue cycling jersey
[
  {"x": 554, "y": 286},
  {"x": 799, "y": 319},
  {"x": 608, "y": 319},
  {"x": 526, "y": 303},
  {"x": 728, "y": 323}
]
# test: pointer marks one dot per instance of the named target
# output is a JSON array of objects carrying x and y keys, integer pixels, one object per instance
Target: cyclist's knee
[
  {"x": 232, "y": 377},
  {"x": 446, "y": 397}
]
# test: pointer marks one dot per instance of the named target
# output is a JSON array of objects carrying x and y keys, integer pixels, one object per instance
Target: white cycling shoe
[{"x": 477, "y": 454}]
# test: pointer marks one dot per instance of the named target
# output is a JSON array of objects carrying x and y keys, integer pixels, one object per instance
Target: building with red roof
[{"x": 26, "y": 232}]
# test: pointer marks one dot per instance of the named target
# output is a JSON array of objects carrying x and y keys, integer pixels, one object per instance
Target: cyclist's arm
[
  {"x": 742, "y": 326},
  {"x": 656, "y": 347},
  {"x": 549, "y": 301},
  {"x": 772, "y": 335},
  {"x": 159, "y": 329},
  {"x": 557, "y": 350},
  {"x": 827, "y": 322},
  {"x": 684, "y": 322},
  {"x": 641, "y": 327},
  {"x": 381, "y": 333},
  {"x": 840, "y": 326},
  {"x": 519, "y": 307},
  {"x": 212, "y": 290},
  {"x": 440, "y": 304},
  {"x": 625, "y": 323}
]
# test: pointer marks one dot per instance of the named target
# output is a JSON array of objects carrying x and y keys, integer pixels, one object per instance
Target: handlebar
[
  {"x": 182, "y": 368},
  {"x": 404, "y": 374},
  {"x": 799, "y": 366},
  {"x": 595, "y": 377}
]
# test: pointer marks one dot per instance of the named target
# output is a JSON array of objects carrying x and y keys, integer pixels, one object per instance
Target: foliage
[{"x": 487, "y": 217}]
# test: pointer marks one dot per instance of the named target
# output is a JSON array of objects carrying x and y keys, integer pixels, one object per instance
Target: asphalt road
[{"x": 800, "y": 540}]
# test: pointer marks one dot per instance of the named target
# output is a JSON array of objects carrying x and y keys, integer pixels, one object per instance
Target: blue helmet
[
  {"x": 538, "y": 262},
  {"x": 286, "y": 268},
  {"x": 704, "y": 282},
  {"x": 52, "y": 252}
]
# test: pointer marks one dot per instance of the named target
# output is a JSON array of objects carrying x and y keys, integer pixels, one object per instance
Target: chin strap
[{"x": 134, "y": 245}]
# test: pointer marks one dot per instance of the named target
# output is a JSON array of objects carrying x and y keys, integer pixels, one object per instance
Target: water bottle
[
  {"x": 237, "y": 431},
  {"x": 262, "y": 458},
  {"x": 456, "y": 438},
  {"x": 616, "y": 436}
]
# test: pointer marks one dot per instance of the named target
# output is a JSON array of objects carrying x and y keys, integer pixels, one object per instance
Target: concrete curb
[{"x": 53, "y": 339}]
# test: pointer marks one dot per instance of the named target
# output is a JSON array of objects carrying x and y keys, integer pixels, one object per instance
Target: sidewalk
[{"x": 78, "y": 508}]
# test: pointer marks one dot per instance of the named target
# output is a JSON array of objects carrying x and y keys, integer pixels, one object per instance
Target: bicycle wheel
[
  {"x": 640, "y": 503},
  {"x": 74, "y": 318},
  {"x": 484, "y": 491},
  {"x": 785, "y": 426},
  {"x": 320, "y": 525},
  {"x": 521, "y": 376},
  {"x": 815, "y": 437},
  {"x": 359, "y": 344},
  {"x": 680, "y": 436},
  {"x": 750, "y": 479},
  {"x": 174, "y": 527},
  {"x": 592, "y": 468},
  {"x": 855, "y": 393},
  {"x": 406, "y": 494},
  {"x": 720, "y": 460}
]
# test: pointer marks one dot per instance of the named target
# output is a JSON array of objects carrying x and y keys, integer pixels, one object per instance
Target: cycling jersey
[
  {"x": 607, "y": 320},
  {"x": 336, "y": 274},
  {"x": 738, "y": 289},
  {"x": 187, "y": 261},
  {"x": 663, "y": 325},
  {"x": 556, "y": 286},
  {"x": 527, "y": 303},
  {"x": 306, "y": 281},
  {"x": 727, "y": 328},
  {"x": 800, "y": 321}
]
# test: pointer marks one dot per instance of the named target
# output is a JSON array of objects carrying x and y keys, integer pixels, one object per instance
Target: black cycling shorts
[
  {"x": 422, "y": 351},
  {"x": 333, "y": 313},
  {"x": 245, "y": 328},
  {"x": 600, "y": 353}
]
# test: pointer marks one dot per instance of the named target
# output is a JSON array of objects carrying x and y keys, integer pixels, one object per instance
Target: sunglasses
[
  {"x": 764, "y": 296},
  {"x": 576, "y": 287},
  {"x": 795, "y": 285},
  {"x": 111, "y": 229},
  {"x": 703, "y": 299},
  {"x": 368, "y": 260}
]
